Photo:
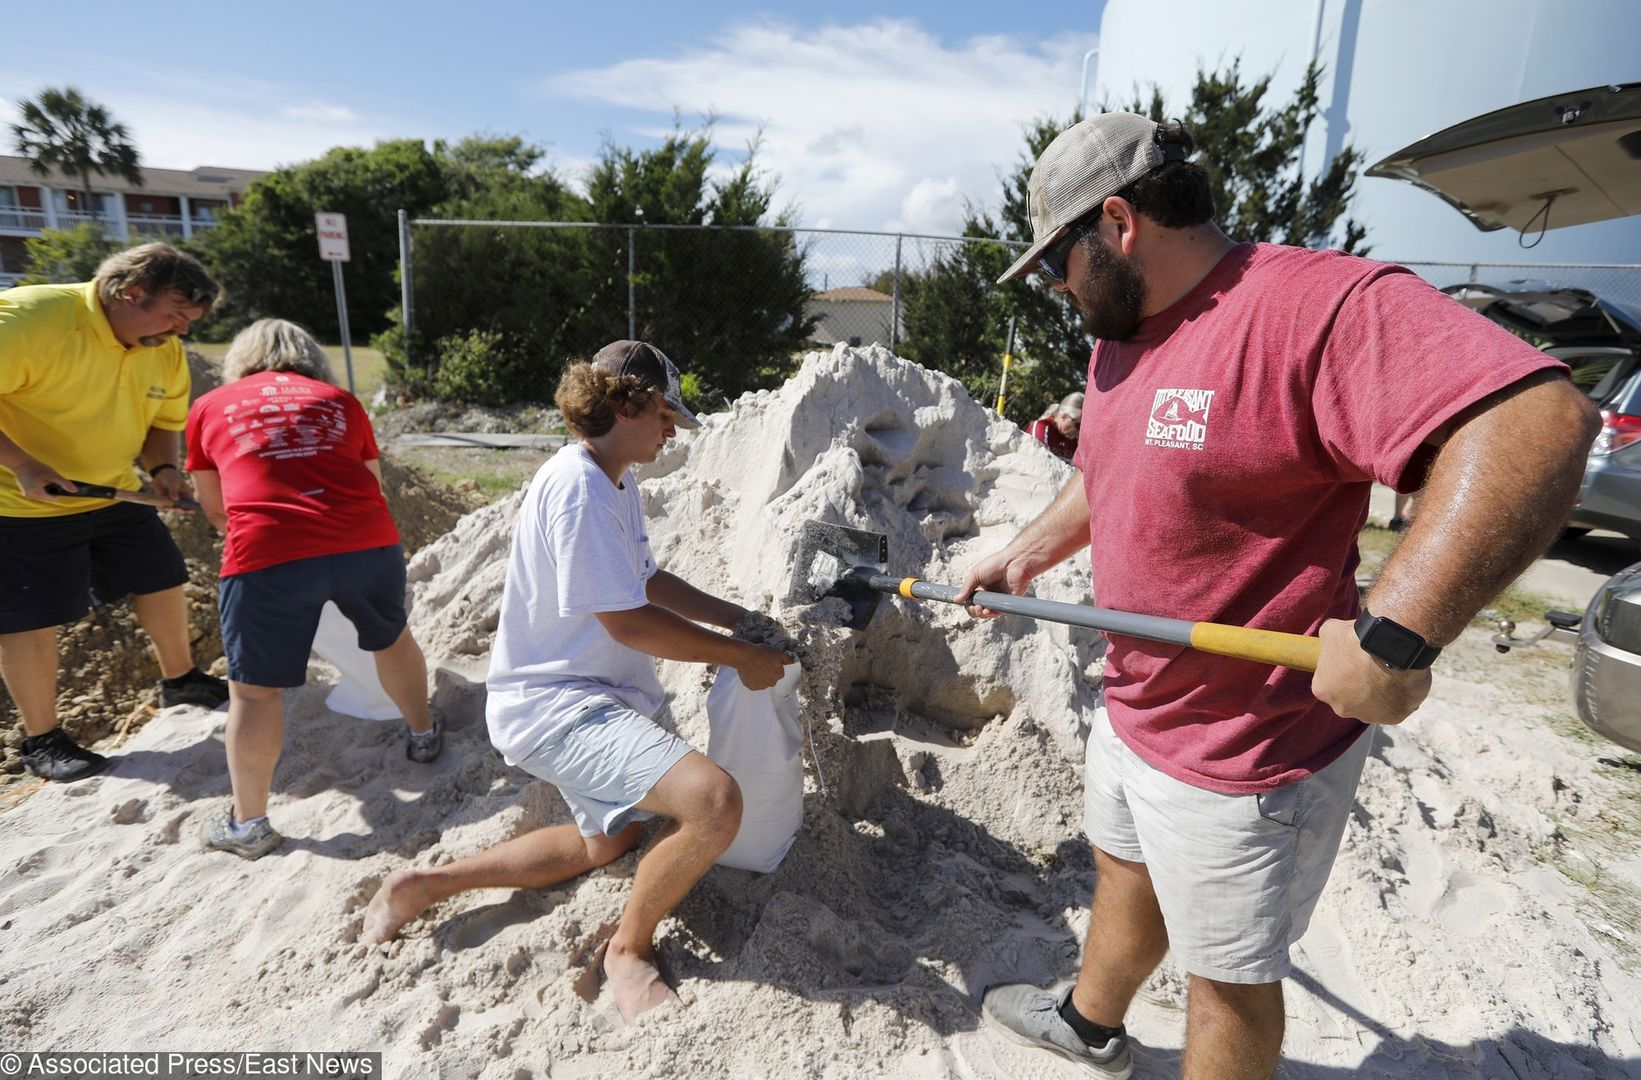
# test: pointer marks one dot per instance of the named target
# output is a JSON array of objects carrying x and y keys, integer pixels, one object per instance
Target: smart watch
[{"x": 1393, "y": 644}]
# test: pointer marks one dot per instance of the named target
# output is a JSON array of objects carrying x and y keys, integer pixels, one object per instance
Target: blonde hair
[
  {"x": 156, "y": 269},
  {"x": 275, "y": 345}
]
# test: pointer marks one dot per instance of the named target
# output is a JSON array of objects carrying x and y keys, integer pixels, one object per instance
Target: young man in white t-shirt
[{"x": 572, "y": 684}]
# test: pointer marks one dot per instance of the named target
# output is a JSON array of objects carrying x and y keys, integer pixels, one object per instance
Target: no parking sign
[
  {"x": 333, "y": 236},
  {"x": 333, "y": 248}
]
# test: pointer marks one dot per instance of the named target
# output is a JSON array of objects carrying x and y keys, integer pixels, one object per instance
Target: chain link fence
[
  {"x": 852, "y": 278},
  {"x": 752, "y": 296},
  {"x": 1616, "y": 282}
]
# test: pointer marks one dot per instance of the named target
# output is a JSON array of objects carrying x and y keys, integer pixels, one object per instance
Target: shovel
[
  {"x": 848, "y": 563},
  {"x": 103, "y": 491}
]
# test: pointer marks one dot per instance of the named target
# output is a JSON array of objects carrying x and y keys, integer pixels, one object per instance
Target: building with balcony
[{"x": 171, "y": 204}]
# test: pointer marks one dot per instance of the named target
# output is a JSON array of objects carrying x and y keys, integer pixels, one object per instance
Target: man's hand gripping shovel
[
  {"x": 84, "y": 490},
  {"x": 834, "y": 560}
]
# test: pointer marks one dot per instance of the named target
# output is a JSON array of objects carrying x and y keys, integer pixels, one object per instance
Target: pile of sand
[{"x": 943, "y": 855}]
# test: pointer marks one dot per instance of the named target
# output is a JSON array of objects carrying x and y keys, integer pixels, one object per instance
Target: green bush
[
  {"x": 689, "y": 385},
  {"x": 62, "y": 256},
  {"x": 481, "y": 368}
]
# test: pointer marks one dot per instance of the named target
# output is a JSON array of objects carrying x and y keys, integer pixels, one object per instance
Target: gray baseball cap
[
  {"x": 650, "y": 367},
  {"x": 1085, "y": 165}
]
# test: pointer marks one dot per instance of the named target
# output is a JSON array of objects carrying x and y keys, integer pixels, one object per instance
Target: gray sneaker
[
  {"x": 424, "y": 747},
  {"x": 219, "y": 834},
  {"x": 1030, "y": 1015}
]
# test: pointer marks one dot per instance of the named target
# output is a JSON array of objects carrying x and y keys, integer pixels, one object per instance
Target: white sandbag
[
  {"x": 358, "y": 690},
  {"x": 754, "y": 736}
]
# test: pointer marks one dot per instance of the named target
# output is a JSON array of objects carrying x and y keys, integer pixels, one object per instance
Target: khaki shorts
[
  {"x": 605, "y": 764},
  {"x": 1237, "y": 876}
]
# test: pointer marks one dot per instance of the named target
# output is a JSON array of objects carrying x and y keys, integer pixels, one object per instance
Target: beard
[
  {"x": 1111, "y": 295},
  {"x": 153, "y": 341}
]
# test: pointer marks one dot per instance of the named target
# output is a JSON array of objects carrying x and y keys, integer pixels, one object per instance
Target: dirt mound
[{"x": 105, "y": 685}]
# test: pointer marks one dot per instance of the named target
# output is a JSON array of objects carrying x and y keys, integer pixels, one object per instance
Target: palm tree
[{"x": 63, "y": 130}]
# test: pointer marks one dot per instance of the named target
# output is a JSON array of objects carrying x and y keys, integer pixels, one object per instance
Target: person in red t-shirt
[
  {"x": 1241, "y": 401},
  {"x": 285, "y": 462},
  {"x": 1057, "y": 428}
]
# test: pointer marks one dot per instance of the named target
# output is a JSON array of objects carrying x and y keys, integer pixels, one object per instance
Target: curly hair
[{"x": 589, "y": 397}]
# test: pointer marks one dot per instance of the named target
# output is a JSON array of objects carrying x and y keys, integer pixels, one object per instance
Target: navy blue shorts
[
  {"x": 269, "y": 616},
  {"x": 54, "y": 569}
]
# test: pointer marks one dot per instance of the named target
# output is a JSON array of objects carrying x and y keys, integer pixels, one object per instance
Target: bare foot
[
  {"x": 636, "y": 983},
  {"x": 397, "y": 902}
]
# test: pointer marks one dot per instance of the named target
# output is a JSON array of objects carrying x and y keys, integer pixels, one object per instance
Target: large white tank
[{"x": 1396, "y": 71}]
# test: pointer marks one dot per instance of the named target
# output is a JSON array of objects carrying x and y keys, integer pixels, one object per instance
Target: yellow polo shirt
[{"x": 76, "y": 399}]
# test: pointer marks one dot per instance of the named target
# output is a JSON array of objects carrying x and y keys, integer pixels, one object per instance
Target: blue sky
[{"x": 873, "y": 116}]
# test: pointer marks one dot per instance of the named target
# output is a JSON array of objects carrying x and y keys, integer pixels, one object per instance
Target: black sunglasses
[{"x": 1052, "y": 261}]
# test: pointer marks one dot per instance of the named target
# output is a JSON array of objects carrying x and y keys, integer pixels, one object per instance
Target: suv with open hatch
[{"x": 1569, "y": 159}]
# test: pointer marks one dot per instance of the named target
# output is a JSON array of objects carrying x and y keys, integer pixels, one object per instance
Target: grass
[
  {"x": 497, "y": 473},
  {"x": 369, "y": 365}
]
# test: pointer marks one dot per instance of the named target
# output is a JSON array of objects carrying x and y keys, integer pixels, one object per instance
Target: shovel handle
[
  {"x": 1297, "y": 651},
  {"x": 104, "y": 491}
]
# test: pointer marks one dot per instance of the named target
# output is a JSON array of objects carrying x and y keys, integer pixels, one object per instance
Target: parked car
[
  {"x": 1607, "y": 660},
  {"x": 1606, "y": 642},
  {"x": 1600, "y": 340},
  {"x": 1570, "y": 159}
]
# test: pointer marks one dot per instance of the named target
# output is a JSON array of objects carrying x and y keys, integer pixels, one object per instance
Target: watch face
[{"x": 1395, "y": 645}]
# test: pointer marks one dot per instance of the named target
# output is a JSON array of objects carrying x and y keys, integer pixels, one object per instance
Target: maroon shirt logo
[{"x": 1179, "y": 419}]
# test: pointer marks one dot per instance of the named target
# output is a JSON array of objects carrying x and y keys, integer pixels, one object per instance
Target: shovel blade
[{"x": 826, "y": 555}]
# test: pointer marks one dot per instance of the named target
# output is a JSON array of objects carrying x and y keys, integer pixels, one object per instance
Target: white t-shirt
[{"x": 579, "y": 548}]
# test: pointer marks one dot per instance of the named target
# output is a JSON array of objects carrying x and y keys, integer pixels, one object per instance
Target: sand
[{"x": 941, "y": 855}]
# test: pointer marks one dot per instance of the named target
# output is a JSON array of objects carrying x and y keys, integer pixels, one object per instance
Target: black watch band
[
  {"x": 1393, "y": 644},
  {"x": 157, "y": 469}
]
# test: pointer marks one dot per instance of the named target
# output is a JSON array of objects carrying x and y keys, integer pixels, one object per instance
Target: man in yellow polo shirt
[{"x": 92, "y": 378}]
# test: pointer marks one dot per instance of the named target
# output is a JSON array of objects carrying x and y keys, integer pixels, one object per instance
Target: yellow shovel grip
[{"x": 1295, "y": 651}]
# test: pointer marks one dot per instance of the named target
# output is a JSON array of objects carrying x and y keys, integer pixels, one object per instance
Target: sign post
[{"x": 333, "y": 248}]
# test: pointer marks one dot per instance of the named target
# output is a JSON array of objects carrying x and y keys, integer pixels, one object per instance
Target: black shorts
[
  {"x": 269, "y": 616},
  {"x": 53, "y": 569}
]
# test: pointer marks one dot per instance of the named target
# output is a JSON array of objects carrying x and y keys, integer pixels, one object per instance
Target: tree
[
  {"x": 956, "y": 317},
  {"x": 266, "y": 256},
  {"x": 503, "y": 306},
  {"x": 1252, "y": 154},
  {"x": 498, "y": 312},
  {"x": 729, "y": 305},
  {"x": 63, "y": 130},
  {"x": 60, "y": 256}
]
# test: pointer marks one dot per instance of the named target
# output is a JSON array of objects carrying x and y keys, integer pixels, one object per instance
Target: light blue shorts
[
  {"x": 1237, "y": 876},
  {"x": 605, "y": 764}
]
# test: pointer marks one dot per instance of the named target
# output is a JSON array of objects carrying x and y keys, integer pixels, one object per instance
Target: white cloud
[
  {"x": 930, "y": 204},
  {"x": 876, "y": 126},
  {"x": 320, "y": 111}
]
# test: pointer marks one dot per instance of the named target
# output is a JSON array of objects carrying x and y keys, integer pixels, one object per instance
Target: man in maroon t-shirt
[{"x": 1241, "y": 401}]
